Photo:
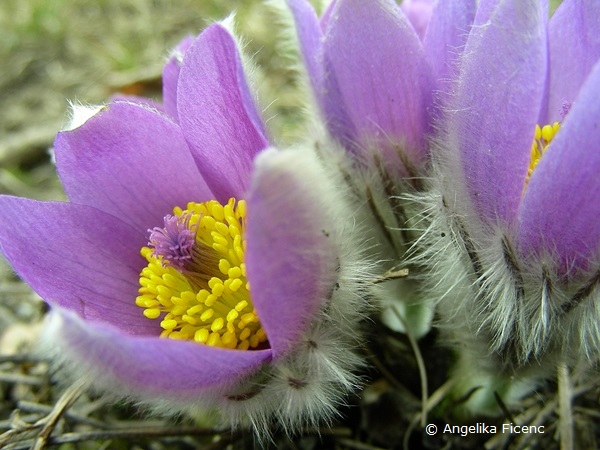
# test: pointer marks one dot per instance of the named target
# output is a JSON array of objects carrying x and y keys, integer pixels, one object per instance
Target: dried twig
[
  {"x": 20, "y": 378},
  {"x": 129, "y": 434},
  {"x": 49, "y": 422},
  {"x": 392, "y": 274},
  {"x": 45, "y": 409}
]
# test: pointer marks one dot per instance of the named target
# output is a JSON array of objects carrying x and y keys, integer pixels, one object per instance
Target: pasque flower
[
  {"x": 191, "y": 267},
  {"x": 377, "y": 78},
  {"x": 514, "y": 240},
  {"x": 373, "y": 77}
]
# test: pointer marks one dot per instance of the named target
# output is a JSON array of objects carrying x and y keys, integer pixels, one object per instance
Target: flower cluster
[
  {"x": 513, "y": 240},
  {"x": 376, "y": 71},
  {"x": 197, "y": 266}
]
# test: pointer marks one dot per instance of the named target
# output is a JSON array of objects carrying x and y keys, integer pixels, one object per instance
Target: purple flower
[
  {"x": 191, "y": 267},
  {"x": 377, "y": 77},
  {"x": 515, "y": 238}
]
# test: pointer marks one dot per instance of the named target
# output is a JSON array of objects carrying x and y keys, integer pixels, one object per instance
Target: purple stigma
[{"x": 175, "y": 241}]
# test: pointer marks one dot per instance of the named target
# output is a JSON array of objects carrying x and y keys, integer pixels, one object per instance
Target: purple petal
[
  {"x": 77, "y": 257},
  {"x": 497, "y": 106},
  {"x": 150, "y": 366},
  {"x": 170, "y": 76},
  {"x": 309, "y": 35},
  {"x": 131, "y": 162},
  {"x": 574, "y": 39},
  {"x": 561, "y": 207},
  {"x": 446, "y": 36},
  {"x": 217, "y": 115},
  {"x": 290, "y": 260},
  {"x": 378, "y": 82},
  {"x": 418, "y": 12}
]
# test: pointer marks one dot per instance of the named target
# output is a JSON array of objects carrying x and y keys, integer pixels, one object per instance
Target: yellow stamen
[
  {"x": 206, "y": 298},
  {"x": 542, "y": 138}
]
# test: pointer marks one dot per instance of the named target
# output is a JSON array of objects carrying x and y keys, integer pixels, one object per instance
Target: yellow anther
[
  {"x": 188, "y": 296},
  {"x": 222, "y": 228},
  {"x": 216, "y": 210},
  {"x": 555, "y": 128},
  {"x": 234, "y": 231},
  {"x": 195, "y": 310},
  {"x": 168, "y": 324},
  {"x": 207, "y": 315},
  {"x": 542, "y": 137},
  {"x": 178, "y": 336},
  {"x": 218, "y": 290},
  {"x": 248, "y": 318},
  {"x": 208, "y": 222},
  {"x": 220, "y": 248},
  {"x": 241, "y": 210},
  {"x": 547, "y": 133},
  {"x": 214, "y": 281},
  {"x": 229, "y": 340},
  {"x": 189, "y": 319},
  {"x": 217, "y": 324},
  {"x": 245, "y": 333},
  {"x": 262, "y": 336},
  {"x": 235, "y": 284},
  {"x": 234, "y": 272},
  {"x": 224, "y": 266},
  {"x": 228, "y": 211},
  {"x": 152, "y": 313},
  {"x": 177, "y": 301},
  {"x": 201, "y": 335},
  {"x": 179, "y": 310},
  {"x": 219, "y": 239},
  {"x": 254, "y": 341},
  {"x": 214, "y": 340},
  {"x": 232, "y": 315},
  {"x": 210, "y": 300},
  {"x": 201, "y": 293},
  {"x": 141, "y": 300}
]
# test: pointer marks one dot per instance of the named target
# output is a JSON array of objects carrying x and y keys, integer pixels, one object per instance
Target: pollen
[
  {"x": 195, "y": 280},
  {"x": 542, "y": 138}
]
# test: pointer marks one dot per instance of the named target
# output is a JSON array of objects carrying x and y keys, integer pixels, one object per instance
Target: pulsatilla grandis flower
[
  {"x": 192, "y": 267},
  {"x": 376, "y": 77},
  {"x": 514, "y": 239}
]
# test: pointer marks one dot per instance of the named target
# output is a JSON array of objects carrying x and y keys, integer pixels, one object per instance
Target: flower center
[
  {"x": 541, "y": 141},
  {"x": 195, "y": 280}
]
